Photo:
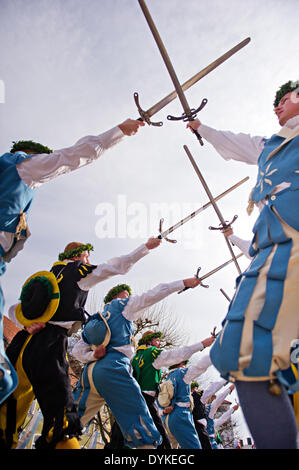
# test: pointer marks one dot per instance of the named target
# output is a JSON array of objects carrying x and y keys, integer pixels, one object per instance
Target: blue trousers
[
  {"x": 109, "y": 379},
  {"x": 181, "y": 425},
  {"x": 270, "y": 418}
]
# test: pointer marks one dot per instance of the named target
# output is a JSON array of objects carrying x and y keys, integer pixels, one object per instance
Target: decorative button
[{"x": 273, "y": 198}]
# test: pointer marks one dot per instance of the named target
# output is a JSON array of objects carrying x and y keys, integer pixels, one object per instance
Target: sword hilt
[
  {"x": 213, "y": 333},
  {"x": 201, "y": 284},
  {"x": 226, "y": 224},
  {"x": 190, "y": 116},
  {"x": 160, "y": 231},
  {"x": 199, "y": 138},
  {"x": 143, "y": 114}
]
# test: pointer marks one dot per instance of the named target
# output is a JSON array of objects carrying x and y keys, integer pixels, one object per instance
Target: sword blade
[
  {"x": 212, "y": 272},
  {"x": 202, "y": 208},
  {"x": 225, "y": 294},
  {"x": 219, "y": 267},
  {"x": 212, "y": 200},
  {"x": 165, "y": 57},
  {"x": 198, "y": 76}
]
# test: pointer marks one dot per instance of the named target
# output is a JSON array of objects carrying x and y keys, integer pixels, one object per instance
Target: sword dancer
[
  {"x": 244, "y": 246},
  {"x": 23, "y": 169},
  {"x": 55, "y": 300},
  {"x": 147, "y": 364},
  {"x": 101, "y": 378},
  {"x": 176, "y": 401},
  {"x": 200, "y": 417},
  {"x": 254, "y": 346}
]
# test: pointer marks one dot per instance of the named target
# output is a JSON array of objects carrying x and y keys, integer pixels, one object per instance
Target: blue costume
[
  {"x": 15, "y": 201},
  {"x": 211, "y": 428},
  {"x": 110, "y": 379},
  {"x": 180, "y": 421},
  {"x": 274, "y": 249}
]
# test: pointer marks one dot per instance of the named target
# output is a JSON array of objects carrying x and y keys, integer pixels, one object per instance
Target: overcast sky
[{"x": 69, "y": 68}]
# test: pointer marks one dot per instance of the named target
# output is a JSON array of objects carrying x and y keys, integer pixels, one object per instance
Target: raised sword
[
  {"x": 223, "y": 222},
  {"x": 146, "y": 115},
  {"x": 189, "y": 114},
  {"x": 210, "y": 273},
  {"x": 163, "y": 234}
]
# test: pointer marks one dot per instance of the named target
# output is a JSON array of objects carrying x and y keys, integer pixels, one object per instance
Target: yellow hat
[{"x": 39, "y": 299}]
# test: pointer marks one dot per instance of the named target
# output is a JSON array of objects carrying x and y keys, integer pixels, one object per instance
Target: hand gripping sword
[
  {"x": 223, "y": 223},
  {"x": 215, "y": 270},
  {"x": 146, "y": 115},
  {"x": 163, "y": 234},
  {"x": 189, "y": 114}
]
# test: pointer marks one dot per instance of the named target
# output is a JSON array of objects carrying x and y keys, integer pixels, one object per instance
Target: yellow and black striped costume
[{"x": 42, "y": 367}]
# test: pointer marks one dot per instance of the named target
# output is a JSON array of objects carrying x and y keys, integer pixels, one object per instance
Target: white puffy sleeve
[
  {"x": 241, "y": 147},
  {"x": 42, "y": 168}
]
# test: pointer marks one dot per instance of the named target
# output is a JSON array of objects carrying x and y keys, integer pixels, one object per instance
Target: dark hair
[
  {"x": 284, "y": 89},
  {"x": 22, "y": 145},
  {"x": 116, "y": 290}
]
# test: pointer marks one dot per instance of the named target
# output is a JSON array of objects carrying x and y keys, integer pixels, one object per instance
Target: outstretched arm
[
  {"x": 119, "y": 265},
  {"x": 174, "y": 356},
  {"x": 242, "y": 244},
  {"x": 197, "y": 369},
  {"x": 241, "y": 147},
  {"x": 138, "y": 303},
  {"x": 42, "y": 168},
  {"x": 83, "y": 352},
  {"x": 212, "y": 389},
  {"x": 220, "y": 399},
  {"x": 225, "y": 417}
]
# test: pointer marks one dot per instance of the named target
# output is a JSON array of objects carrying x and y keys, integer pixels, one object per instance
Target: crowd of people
[{"x": 254, "y": 351}]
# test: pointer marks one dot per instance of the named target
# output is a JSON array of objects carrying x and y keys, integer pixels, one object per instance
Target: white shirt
[
  {"x": 243, "y": 245},
  {"x": 223, "y": 418},
  {"x": 42, "y": 168},
  {"x": 168, "y": 357},
  {"x": 211, "y": 390},
  {"x": 218, "y": 401},
  {"x": 243, "y": 148},
  {"x": 240, "y": 147},
  {"x": 115, "y": 266}
]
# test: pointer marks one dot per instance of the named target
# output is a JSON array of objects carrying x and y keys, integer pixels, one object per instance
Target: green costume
[{"x": 146, "y": 375}]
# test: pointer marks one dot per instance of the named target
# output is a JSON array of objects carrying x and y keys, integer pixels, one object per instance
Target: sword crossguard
[
  {"x": 160, "y": 231},
  {"x": 225, "y": 225},
  {"x": 213, "y": 333},
  {"x": 200, "y": 283},
  {"x": 191, "y": 115},
  {"x": 197, "y": 275},
  {"x": 143, "y": 114}
]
